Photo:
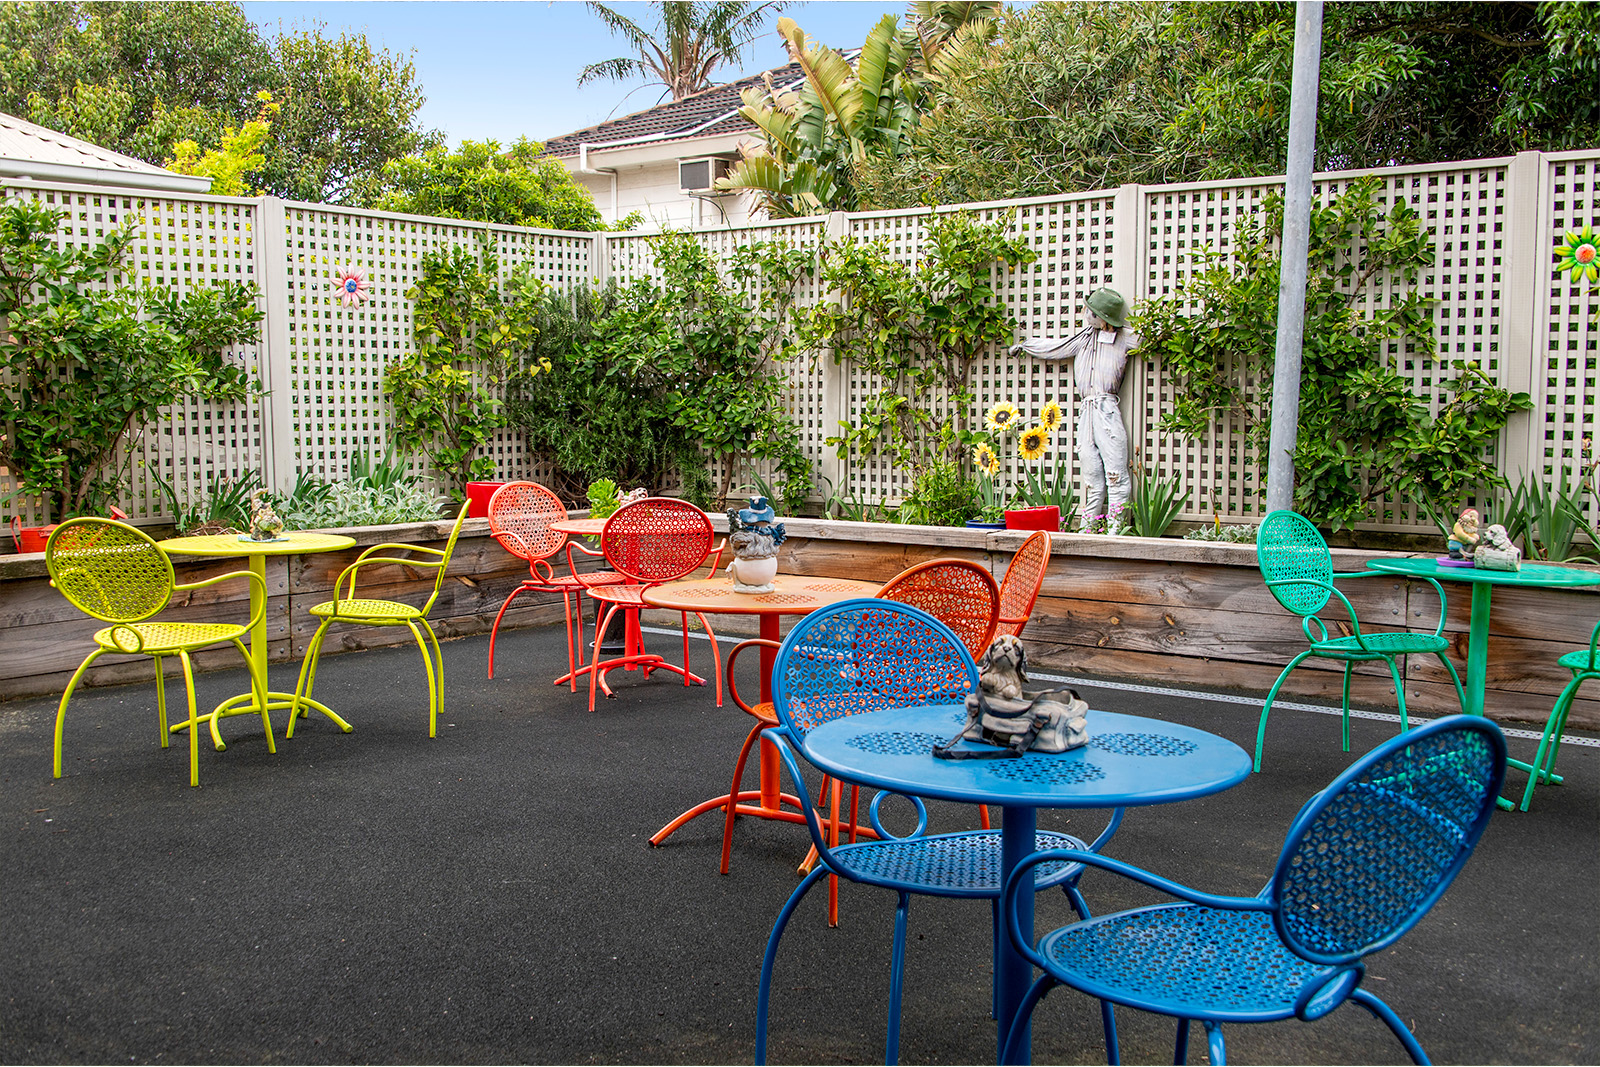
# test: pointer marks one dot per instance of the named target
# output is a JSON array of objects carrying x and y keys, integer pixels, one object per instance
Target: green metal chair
[
  {"x": 115, "y": 573},
  {"x": 350, "y": 608},
  {"x": 1298, "y": 568},
  {"x": 1584, "y": 665}
]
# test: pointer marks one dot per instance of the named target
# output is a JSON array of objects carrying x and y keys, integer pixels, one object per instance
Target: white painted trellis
[{"x": 1497, "y": 299}]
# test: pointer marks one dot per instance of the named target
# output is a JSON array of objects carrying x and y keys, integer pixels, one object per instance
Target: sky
[{"x": 507, "y": 68}]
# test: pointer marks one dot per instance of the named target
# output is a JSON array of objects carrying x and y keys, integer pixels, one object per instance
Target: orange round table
[
  {"x": 793, "y": 594},
  {"x": 579, "y": 527}
]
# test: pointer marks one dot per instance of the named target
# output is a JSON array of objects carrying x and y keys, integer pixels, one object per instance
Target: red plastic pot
[
  {"x": 1047, "y": 517},
  {"x": 478, "y": 494}
]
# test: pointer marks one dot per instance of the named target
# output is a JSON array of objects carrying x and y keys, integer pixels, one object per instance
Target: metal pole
[{"x": 1296, "y": 238}]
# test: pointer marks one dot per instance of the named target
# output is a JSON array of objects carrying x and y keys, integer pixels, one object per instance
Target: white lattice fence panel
[
  {"x": 1567, "y": 339},
  {"x": 181, "y": 243},
  {"x": 337, "y": 355},
  {"x": 1220, "y": 470},
  {"x": 631, "y": 257},
  {"x": 563, "y": 261}
]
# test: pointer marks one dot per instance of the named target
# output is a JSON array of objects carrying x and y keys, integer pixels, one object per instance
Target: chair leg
[
  {"x": 716, "y": 654},
  {"x": 308, "y": 675},
  {"x": 897, "y": 964},
  {"x": 1261, "y": 730},
  {"x": 1019, "y": 1025},
  {"x": 494, "y": 631},
  {"x": 433, "y": 687},
  {"x": 161, "y": 701},
  {"x": 733, "y": 794},
  {"x": 600, "y": 627},
  {"x": 1217, "y": 1047},
  {"x": 258, "y": 685},
  {"x": 1461, "y": 694},
  {"x": 1180, "y": 1051},
  {"x": 1344, "y": 702},
  {"x": 1382, "y": 1011},
  {"x": 1399, "y": 694},
  {"x": 61, "y": 711},
  {"x": 1550, "y": 774},
  {"x": 764, "y": 988},
  {"x": 194, "y": 719},
  {"x": 1544, "y": 760},
  {"x": 438, "y": 659}
]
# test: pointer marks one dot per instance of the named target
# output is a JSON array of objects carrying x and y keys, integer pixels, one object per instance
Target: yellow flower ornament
[
  {"x": 1031, "y": 445},
  {"x": 1580, "y": 254},
  {"x": 1050, "y": 415},
  {"x": 1003, "y": 416},
  {"x": 985, "y": 460}
]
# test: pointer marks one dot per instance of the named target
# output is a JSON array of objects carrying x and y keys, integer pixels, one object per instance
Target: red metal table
[{"x": 793, "y": 594}]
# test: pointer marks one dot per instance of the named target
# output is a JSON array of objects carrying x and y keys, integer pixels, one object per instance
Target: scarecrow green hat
[{"x": 1109, "y": 307}]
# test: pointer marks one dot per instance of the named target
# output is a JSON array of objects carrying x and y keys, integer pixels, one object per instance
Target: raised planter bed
[{"x": 1164, "y": 612}]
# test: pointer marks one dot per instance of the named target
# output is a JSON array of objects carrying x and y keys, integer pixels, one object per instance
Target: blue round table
[{"x": 1129, "y": 761}]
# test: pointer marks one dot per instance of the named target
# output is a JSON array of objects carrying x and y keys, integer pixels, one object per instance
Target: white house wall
[{"x": 652, "y": 189}]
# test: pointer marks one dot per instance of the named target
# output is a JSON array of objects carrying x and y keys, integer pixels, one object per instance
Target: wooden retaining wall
[{"x": 1163, "y": 612}]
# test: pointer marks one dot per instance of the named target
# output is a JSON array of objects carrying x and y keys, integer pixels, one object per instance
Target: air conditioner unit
[{"x": 700, "y": 175}]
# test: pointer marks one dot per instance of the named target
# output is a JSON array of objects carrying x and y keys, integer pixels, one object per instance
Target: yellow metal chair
[
  {"x": 113, "y": 572},
  {"x": 349, "y": 608}
]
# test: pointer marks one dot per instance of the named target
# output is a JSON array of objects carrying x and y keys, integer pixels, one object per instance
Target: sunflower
[
  {"x": 1031, "y": 444},
  {"x": 985, "y": 460},
  {"x": 1003, "y": 416},
  {"x": 1580, "y": 255},
  {"x": 1050, "y": 416}
]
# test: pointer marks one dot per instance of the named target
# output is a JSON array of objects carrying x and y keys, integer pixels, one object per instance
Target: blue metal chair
[
  {"x": 865, "y": 655},
  {"x": 1298, "y": 569},
  {"x": 1364, "y": 861}
]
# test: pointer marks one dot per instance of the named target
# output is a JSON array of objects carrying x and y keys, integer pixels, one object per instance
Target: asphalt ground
[{"x": 489, "y": 896}]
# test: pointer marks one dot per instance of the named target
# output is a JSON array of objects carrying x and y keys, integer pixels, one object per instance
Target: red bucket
[
  {"x": 1047, "y": 517},
  {"x": 478, "y": 494}
]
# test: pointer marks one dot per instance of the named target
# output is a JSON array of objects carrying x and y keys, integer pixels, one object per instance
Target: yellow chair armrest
[{"x": 255, "y": 579}]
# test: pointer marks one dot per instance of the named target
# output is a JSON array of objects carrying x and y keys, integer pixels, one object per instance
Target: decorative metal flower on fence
[
  {"x": 353, "y": 287},
  {"x": 1580, "y": 254},
  {"x": 1031, "y": 445},
  {"x": 1003, "y": 416}
]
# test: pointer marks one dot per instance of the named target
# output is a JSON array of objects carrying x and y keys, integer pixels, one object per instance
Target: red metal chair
[
  {"x": 1021, "y": 586},
  {"x": 651, "y": 541},
  {"x": 520, "y": 514},
  {"x": 959, "y": 593}
]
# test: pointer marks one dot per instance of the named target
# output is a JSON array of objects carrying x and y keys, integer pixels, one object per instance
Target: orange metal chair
[
  {"x": 1021, "y": 586},
  {"x": 520, "y": 514},
  {"x": 959, "y": 593},
  {"x": 651, "y": 541}
]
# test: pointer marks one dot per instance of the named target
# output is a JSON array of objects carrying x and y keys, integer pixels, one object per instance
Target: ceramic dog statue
[{"x": 1003, "y": 668}]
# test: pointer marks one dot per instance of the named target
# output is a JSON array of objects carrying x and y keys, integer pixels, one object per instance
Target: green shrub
[{"x": 942, "y": 496}]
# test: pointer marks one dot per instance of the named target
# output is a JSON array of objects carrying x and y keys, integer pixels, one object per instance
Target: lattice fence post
[
  {"x": 1526, "y": 261},
  {"x": 278, "y": 447},
  {"x": 1128, "y": 270},
  {"x": 834, "y": 381}
]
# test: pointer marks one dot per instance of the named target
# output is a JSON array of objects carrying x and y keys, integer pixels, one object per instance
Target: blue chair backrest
[
  {"x": 1368, "y": 856},
  {"x": 865, "y": 655},
  {"x": 1289, "y": 546}
]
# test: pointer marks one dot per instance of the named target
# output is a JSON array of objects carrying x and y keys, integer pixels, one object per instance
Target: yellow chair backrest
[{"x": 108, "y": 569}]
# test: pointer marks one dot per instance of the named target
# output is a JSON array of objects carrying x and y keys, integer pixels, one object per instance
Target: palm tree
[{"x": 691, "y": 40}]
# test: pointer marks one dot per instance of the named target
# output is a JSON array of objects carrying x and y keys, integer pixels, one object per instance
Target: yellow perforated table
[{"x": 225, "y": 545}]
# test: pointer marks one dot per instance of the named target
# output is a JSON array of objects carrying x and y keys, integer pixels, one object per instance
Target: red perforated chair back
[
  {"x": 959, "y": 593},
  {"x": 1021, "y": 587},
  {"x": 657, "y": 539},
  {"x": 520, "y": 514}
]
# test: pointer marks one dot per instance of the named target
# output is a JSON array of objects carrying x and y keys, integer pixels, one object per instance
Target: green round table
[
  {"x": 1536, "y": 575},
  {"x": 227, "y": 545}
]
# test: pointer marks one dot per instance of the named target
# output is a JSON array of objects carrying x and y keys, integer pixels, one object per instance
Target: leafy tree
[
  {"x": 348, "y": 110},
  {"x": 240, "y": 153},
  {"x": 479, "y": 181},
  {"x": 918, "y": 331},
  {"x": 82, "y": 365},
  {"x": 691, "y": 41},
  {"x": 1364, "y": 435},
  {"x": 817, "y": 140},
  {"x": 472, "y": 329}
]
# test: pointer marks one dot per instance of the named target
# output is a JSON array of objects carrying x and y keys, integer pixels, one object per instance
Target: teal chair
[
  {"x": 347, "y": 607},
  {"x": 1584, "y": 665},
  {"x": 115, "y": 573},
  {"x": 1298, "y": 569}
]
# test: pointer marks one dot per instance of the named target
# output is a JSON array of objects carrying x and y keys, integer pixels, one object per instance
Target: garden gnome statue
[
  {"x": 1100, "y": 354},
  {"x": 754, "y": 538},
  {"x": 1464, "y": 535},
  {"x": 1496, "y": 552},
  {"x": 264, "y": 522}
]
